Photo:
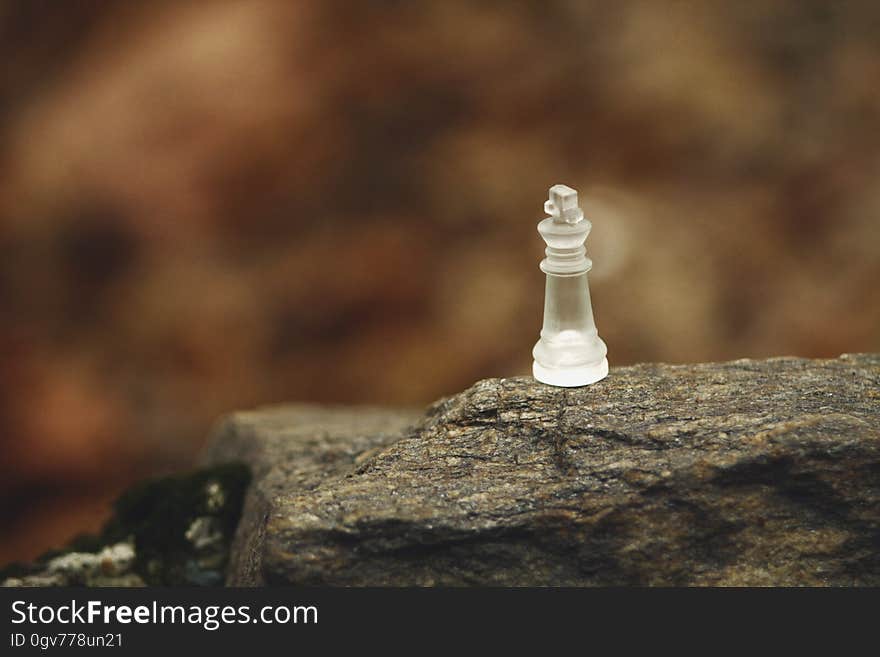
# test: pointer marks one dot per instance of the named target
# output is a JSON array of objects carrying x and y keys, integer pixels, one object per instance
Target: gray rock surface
[{"x": 741, "y": 473}]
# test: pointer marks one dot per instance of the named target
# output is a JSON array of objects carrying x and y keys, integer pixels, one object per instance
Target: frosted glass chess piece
[{"x": 570, "y": 352}]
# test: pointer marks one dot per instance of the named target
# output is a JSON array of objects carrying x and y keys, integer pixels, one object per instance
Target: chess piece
[{"x": 570, "y": 352}]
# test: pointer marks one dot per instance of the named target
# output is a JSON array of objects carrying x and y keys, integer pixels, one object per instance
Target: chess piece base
[{"x": 570, "y": 377}]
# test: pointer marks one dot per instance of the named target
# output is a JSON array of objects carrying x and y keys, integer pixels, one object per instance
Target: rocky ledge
[{"x": 741, "y": 473}]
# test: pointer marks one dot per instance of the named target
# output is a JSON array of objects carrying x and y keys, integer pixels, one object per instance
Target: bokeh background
[{"x": 207, "y": 206}]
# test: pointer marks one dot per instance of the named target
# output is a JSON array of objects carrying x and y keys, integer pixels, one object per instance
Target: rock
[
  {"x": 741, "y": 473},
  {"x": 291, "y": 449}
]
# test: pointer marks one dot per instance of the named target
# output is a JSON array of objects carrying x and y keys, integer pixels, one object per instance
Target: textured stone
[{"x": 742, "y": 473}]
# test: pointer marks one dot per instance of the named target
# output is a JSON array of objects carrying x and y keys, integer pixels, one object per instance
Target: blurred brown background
[{"x": 206, "y": 206}]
